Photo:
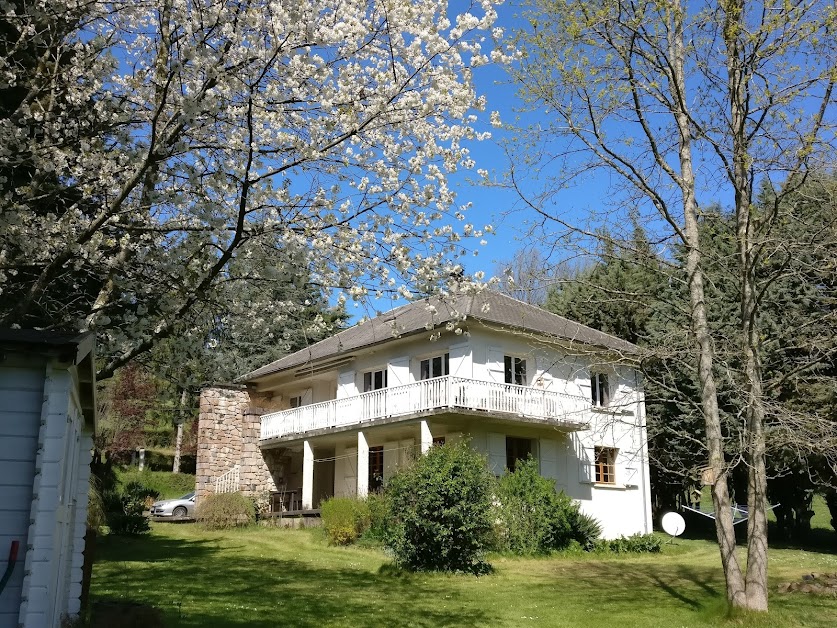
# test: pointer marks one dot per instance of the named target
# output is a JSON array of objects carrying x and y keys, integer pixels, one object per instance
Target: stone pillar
[
  {"x": 426, "y": 437},
  {"x": 307, "y": 475},
  {"x": 362, "y": 465}
]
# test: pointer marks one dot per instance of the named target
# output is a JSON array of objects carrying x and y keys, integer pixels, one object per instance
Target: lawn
[{"x": 272, "y": 577}]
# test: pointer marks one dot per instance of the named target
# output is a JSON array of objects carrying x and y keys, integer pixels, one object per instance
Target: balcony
[{"x": 440, "y": 394}]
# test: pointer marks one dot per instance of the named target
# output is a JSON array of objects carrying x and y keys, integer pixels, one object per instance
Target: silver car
[{"x": 180, "y": 507}]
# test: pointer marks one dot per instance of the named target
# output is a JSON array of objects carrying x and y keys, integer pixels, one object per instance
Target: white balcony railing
[{"x": 430, "y": 394}]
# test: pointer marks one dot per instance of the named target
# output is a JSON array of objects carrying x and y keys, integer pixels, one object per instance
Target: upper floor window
[
  {"x": 374, "y": 380},
  {"x": 515, "y": 370},
  {"x": 435, "y": 367},
  {"x": 296, "y": 402},
  {"x": 600, "y": 389}
]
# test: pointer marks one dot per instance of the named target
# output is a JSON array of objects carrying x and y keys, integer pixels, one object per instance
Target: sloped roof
[
  {"x": 434, "y": 312},
  {"x": 77, "y": 348}
]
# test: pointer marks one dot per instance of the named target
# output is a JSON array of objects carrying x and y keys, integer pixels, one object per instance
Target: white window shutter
[
  {"x": 496, "y": 453},
  {"x": 398, "y": 372},
  {"x": 346, "y": 385},
  {"x": 496, "y": 368},
  {"x": 549, "y": 458},
  {"x": 587, "y": 465},
  {"x": 390, "y": 459},
  {"x": 307, "y": 397},
  {"x": 460, "y": 360},
  {"x": 350, "y": 478},
  {"x": 627, "y": 471}
]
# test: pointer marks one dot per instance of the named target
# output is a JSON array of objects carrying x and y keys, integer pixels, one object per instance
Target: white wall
[
  {"x": 624, "y": 507},
  {"x": 22, "y": 390}
]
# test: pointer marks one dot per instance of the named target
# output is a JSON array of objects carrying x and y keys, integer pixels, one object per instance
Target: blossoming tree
[{"x": 144, "y": 147}]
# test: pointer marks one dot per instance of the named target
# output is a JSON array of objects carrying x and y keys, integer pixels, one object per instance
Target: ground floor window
[
  {"x": 376, "y": 468},
  {"x": 517, "y": 449},
  {"x": 606, "y": 465},
  {"x": 438, "y": 441}
]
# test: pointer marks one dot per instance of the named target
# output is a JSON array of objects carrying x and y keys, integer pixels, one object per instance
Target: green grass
[
  {"x": 265, "y": 577},
  {"x": 168, "y": 484}
]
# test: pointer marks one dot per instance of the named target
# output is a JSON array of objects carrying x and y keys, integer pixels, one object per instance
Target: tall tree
[
  {"x": 672, "y": 99},
  {"x": 185, "y": 134}
]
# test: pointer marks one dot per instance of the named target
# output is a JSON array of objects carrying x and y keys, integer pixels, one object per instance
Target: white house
[
  {"x": 47, "y": 419},
  {"x": 339, "y": 417}
]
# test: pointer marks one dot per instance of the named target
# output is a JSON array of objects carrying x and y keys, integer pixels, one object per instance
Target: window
[
  {"x": 435, "y": 367},
  {"x": 606, "y": 465},
  {"x": 438, "y": 441},
  {"x": 374, "y": 380},
  {"x": 517, "y": 449},
  {"x": 600, "y": 389},
  {"x": 296, "y": 401},
  {"x": 515, "y": 370},
  {"x": 376, "y": 468}
]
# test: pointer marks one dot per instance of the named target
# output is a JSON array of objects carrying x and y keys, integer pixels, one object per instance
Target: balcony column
[
  {"x": 362, "y": 465},
  {"x": 426, "y": 437},
  {"x": 307, "y": 475}
]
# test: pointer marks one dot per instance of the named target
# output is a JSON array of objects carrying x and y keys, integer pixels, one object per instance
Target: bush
[
  {"x": 225, "y": 510},
  {"x": 634, "y": 544},
  {"x": 586, "y": 529},
  {"x": 534, "y": 518},
  {"x": 124, "y": 510},
  {"x": 379, "y": 517},
  {"x": 440, "y": 511},
  {"x": 344, "y": 519}
]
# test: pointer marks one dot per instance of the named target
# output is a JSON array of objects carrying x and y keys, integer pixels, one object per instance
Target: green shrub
[
  {"x": 344, "y": 519},
  {"x": 634, "y": 544},
  {"x": 440, "y": 511},
  {"x": 379, "y": 517},
  {"x": 124, "y": 509},
  {"x": 586, "y": 529},
  {"x": 225, "y": 510},
  {"x": 534, "y": 518}
]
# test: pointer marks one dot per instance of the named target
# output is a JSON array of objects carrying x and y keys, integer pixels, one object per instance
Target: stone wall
[{"x": 228, "y": 435}]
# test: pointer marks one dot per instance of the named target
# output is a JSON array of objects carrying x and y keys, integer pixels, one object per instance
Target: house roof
[
  {"x": 69, "y": 347},
  {"x": 434, "y": 312}
]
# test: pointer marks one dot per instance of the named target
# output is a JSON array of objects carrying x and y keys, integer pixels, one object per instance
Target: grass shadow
[{"x": 201, "y": 583}]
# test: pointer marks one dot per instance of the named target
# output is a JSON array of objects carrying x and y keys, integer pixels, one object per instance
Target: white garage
[{"x": 47, "y": 420}]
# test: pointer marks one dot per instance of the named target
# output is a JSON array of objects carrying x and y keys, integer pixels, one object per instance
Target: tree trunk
[
  {"x": 748, "y": 255},
  {"x": 178, "y": 441},
  {"x": 724, "y": 529}
]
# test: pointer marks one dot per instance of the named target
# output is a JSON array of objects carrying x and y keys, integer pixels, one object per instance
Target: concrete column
[
  {"x": 426, "y": 437},
  {"x": 307, "y": 475},
  {"x": 362, "y": 465}
]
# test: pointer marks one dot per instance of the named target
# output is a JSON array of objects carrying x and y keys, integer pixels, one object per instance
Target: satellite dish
[{"x": 673, "y": 524}]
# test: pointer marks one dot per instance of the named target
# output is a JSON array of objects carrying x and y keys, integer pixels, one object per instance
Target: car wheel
[{"x": 180, "y": 511}]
